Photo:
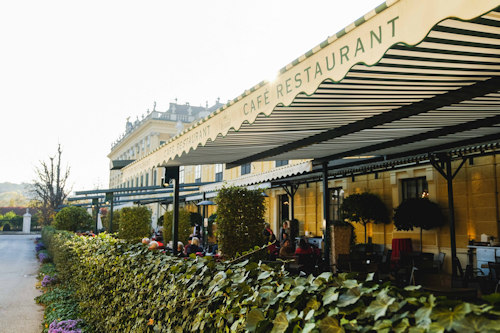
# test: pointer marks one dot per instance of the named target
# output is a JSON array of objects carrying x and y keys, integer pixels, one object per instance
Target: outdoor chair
[
  {"x": 495, "y": 273},
  {"x": 439, "y": 261}
]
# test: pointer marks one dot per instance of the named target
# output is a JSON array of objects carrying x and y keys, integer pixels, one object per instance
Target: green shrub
[
  {"x": 135, "y": 223},
  {"x": 240, "y": 220},
  {"x": 184, "y": 230},
  {"x": 73, "y": 218},
  {"x": 127, "y": 288},
  {"x": 116, "y": 221}
]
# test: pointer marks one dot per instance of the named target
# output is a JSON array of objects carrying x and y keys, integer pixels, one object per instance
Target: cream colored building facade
[{"x": 409, "y": 78}]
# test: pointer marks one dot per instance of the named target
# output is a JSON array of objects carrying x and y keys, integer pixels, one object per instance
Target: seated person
[
  {"x": 304, "y": 247},
  {"x": 188, "y": 244},
  {"x": 180, "y": 249},
  {"x": 286, "y": 250},
  {"x": 194, "y": 247}
]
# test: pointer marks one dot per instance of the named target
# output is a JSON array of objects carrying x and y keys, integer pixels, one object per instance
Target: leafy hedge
[
  {"x": 124, "y": 287},
  {"x": 135, "y": 223},
  {"x": 185, "y": 228},
  {"x": 240, "y": 220}
]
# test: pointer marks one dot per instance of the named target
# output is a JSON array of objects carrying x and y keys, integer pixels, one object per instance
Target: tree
[
  {"x": 365, "y": 208},
  {"x": 418, "y": 212},
  {"x": 240, "y": 220},
  {"x": 73, "y": 218},
  {"x": 49, "y": 187}
]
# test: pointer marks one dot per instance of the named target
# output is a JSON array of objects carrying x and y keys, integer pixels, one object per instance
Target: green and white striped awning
[{"x": 411, "y": 76}]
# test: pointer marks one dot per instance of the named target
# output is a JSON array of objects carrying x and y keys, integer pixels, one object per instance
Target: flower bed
[{"x": 123, "y": 287}]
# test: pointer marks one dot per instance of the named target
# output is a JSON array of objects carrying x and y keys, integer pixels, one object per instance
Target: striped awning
[{"x": 411, "y": 76}]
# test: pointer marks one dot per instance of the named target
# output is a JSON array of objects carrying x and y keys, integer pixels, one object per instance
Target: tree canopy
[
  {"x": 418, "y": 212},
  {"x": 365, "y": 208}
]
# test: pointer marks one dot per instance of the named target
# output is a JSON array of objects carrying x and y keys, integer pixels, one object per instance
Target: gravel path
[{"x": 18, "y": 270}]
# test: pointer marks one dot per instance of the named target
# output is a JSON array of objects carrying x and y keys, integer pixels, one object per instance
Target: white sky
[{"x": 72, "y": 71}]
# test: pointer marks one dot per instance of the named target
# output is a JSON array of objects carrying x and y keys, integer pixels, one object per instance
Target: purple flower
[
  {"x": 39, "y": 247},
  {"x": 65, "y": 326},
  {"x": 43, "y": 257},
  {"x": 48, "y": 280}
]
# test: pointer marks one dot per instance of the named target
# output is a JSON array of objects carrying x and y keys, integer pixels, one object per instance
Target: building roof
[{"x": 408, "y": 76}]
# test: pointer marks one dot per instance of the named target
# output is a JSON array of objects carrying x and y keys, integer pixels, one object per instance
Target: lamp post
[{"x": 204, "y": 233}]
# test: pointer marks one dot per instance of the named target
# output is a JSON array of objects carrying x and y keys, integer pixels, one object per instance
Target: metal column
[
  {"x": 326, "y": 227},
  {"x": 442, "y": 163}
]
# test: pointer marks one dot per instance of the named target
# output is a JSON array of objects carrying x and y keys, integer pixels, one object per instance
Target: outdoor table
[{"x": 400, "y": 245}]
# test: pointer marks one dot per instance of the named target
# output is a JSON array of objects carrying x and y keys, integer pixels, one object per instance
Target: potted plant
[{"x": 365, "y": 208}]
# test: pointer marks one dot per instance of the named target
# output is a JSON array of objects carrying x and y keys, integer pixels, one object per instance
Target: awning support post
[
  {"x": 326, "y": 226},
  {"x": 110, "y": 198},
  {"x": 443, "y": 165},
  {"x": 172, "y": 177},
  {"x": 291, "y": 194}
]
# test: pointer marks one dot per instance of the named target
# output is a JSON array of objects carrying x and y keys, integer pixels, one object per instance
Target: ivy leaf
[
  {"x": 378, "y": 307},
  {"x": 330, "y": 325},
  {"x": 308, "y": 327},
  {"x": 350, "y": 297},
  {"x": 447, "y": 318},
  {"x": 423, "y": 316},
  {"x": 280, "y": 323},
  {"x": 382, "y": 326},
  {"x": 476, "y": 324},
  {"x": 369, "y": 277},
  {"x": 349, "y": 284},
  {"x": 412, "y": 288},
  {"x": 309, "y": 315},
  {"x": 264, "y": 275},
  {"x": 402, "y": 326},
  {"x": 292, "y": 315},
  {"x": 331, "y": 295},
  {"x": 253, "y": 318},
  {"x": 325, "y": 276}
]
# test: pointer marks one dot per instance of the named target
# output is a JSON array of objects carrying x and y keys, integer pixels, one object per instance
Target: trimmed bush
[
  {"x": 240, "y": 220},
  {"x": 135, "y": 223},
  {"x": 116, "y": 221},
  {"x": 185, "y": 228},
  {"x": 126, "y": 288},
  {"x": 73, "y": 218}
]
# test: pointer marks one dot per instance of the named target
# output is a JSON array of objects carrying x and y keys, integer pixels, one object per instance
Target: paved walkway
[{"x": 18, "y": 270}]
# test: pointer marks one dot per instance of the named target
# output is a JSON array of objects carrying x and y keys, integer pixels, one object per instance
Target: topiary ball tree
[
  {"x": 73, "y": 218},
  {"x": 240, "y": 220},
  {"x": 365, "y": 208},
  {"x": 418, "y": 212}
]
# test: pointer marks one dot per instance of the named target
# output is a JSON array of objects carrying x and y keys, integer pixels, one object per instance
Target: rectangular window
[
  {"x": 281, "y": 163},
  {"x": 147, "y": 179},
  {"x": 142, "y": 179},
  {"x": 181, "y": 175},
  {"x": 413, "y": 187},
  {"x": 246, "y": 168},
  {"x": 154, "y": 177},
  {"x": 219, "y": 172},
  {"x": 336, "y": 199},
  {"x": 136, "y": 181},
  {"x": 197, "y": 174}
]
